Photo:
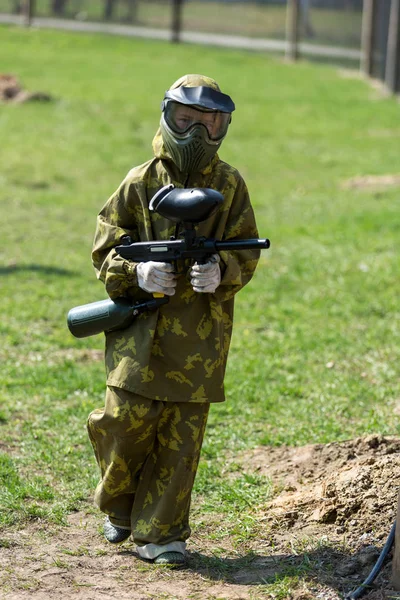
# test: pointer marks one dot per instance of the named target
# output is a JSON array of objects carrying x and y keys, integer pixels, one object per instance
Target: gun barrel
[{"x": 250, "y": 244}]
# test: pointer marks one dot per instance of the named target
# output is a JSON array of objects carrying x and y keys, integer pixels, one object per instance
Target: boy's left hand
[{"x": 205, "y": 278}]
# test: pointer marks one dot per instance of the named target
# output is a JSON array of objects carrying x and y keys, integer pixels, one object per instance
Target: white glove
[
  {"x": 156, "y": 277},
  {"x": 206, "y": 278}
]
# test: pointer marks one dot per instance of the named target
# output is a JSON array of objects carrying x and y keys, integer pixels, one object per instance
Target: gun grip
[{"x": 158, "y": 295}]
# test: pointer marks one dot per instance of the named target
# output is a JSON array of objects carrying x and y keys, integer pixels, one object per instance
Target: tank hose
[{"x": 360, "y": 591}]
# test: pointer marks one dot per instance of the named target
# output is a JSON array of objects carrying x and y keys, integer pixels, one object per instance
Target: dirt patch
[
  {"x": 11, "y": 91},
  {"x": 340, "y": 484},
  {"x": 51, "y": 357},
  {"x": 80, "y": 355},
  {"x": 331, "y": 512},
  {"x": 372, "y": 182}
]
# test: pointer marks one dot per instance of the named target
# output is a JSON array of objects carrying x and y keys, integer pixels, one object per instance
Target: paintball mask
[{"x": 194, "y": 122}]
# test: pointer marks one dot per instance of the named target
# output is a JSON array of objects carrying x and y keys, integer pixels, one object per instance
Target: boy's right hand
[{"x": 156, "y": 277}]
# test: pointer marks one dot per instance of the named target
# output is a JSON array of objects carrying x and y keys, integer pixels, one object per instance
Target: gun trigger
[{"x": 126, "y": 240}]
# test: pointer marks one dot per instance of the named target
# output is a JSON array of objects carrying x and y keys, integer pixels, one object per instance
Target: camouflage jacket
[{"x": 177, "y": 353}]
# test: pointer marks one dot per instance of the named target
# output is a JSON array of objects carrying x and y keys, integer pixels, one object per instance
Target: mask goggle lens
[{"x": 181, "y": 117}]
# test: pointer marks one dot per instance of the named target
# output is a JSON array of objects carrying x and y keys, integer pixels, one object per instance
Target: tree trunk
[
  {"x": 28, "y": 10},
  {"x": 132, "y": 10},
  {"x": 367, "y": 36},
  {"x": 58, "y": 6},
  {"x": 292, "y": 29},
  {"x": 176, "y": 20},
  {"x": 109, "y": 10}
]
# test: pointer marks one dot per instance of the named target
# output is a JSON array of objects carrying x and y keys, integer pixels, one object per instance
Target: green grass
[{"x": 315, "y": 353}]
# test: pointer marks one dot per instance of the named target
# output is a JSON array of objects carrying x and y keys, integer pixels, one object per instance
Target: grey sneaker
[
  {"x": 170, "y": 558},
  {"x": 114, "y": 534}
]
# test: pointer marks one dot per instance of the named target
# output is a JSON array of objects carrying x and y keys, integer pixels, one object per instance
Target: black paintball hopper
[{"x": 187, "y": 205}]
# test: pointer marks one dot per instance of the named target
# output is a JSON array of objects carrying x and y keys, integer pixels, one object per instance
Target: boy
[{"x": 165, "y": 369}]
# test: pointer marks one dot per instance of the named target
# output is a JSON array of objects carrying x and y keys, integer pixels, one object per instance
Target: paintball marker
[{"x": 181, "y": 206}]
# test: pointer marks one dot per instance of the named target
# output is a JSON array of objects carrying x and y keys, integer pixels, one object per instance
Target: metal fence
[{"x": 342, "y": 31}]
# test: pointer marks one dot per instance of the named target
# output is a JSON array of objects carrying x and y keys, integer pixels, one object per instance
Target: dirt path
[{"x": 331, "y": 513}]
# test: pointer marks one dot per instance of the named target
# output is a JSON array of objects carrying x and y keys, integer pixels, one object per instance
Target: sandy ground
[{"x": 331, "y": 513}]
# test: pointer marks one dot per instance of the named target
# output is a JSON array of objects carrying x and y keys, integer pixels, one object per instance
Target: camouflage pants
[{"x": 148, "y": 452}]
